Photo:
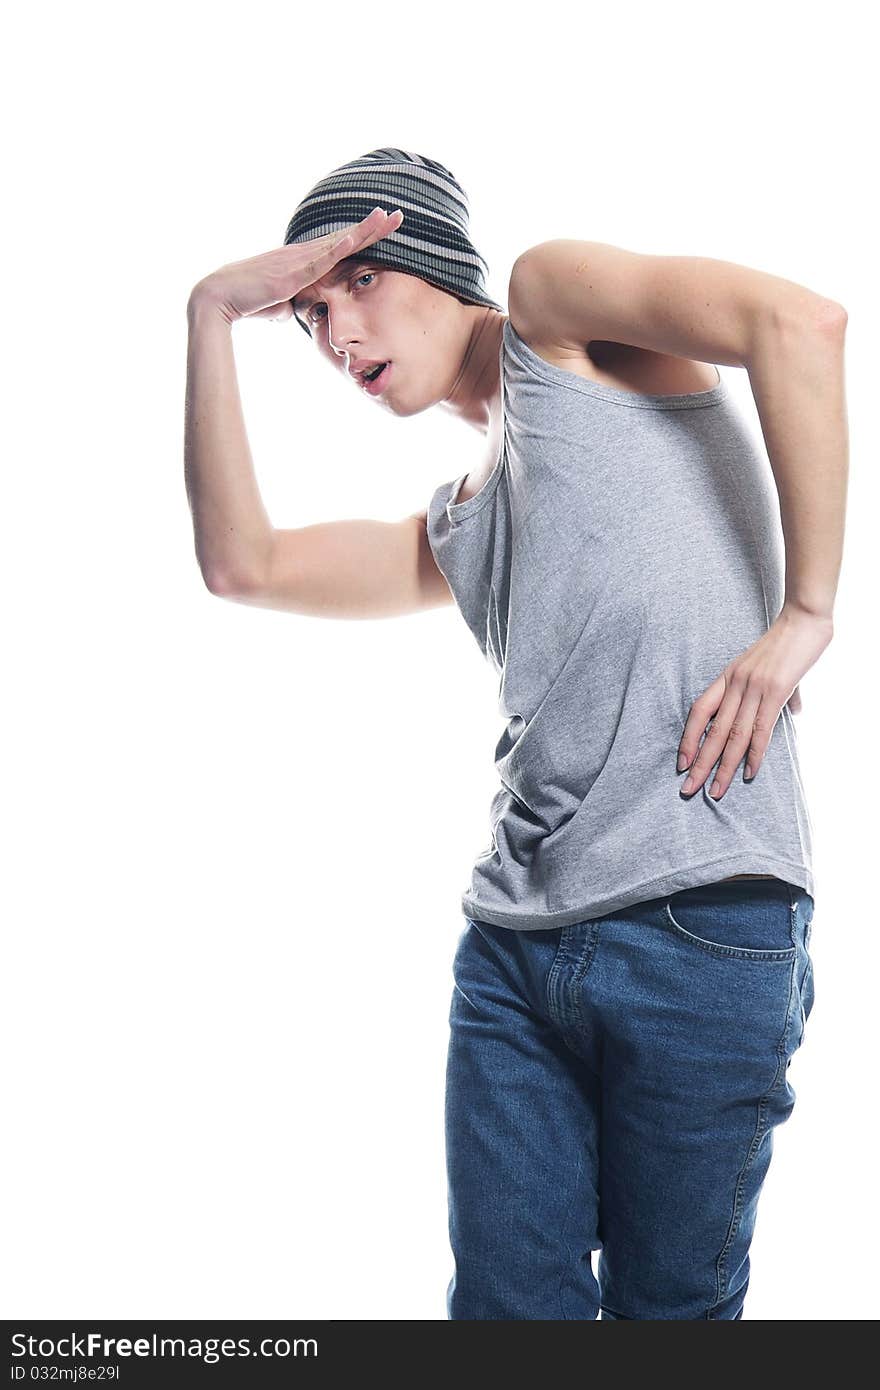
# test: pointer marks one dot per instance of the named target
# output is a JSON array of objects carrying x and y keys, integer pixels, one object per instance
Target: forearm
[
  {"x": 796, "y": 372},
  {"x": 232, "y": 529}
]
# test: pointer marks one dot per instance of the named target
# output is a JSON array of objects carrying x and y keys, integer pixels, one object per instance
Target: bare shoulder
[{"x": 619, "y": 365}]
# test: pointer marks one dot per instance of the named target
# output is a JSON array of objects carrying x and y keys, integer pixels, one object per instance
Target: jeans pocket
[{"x": 744, "y": 919}]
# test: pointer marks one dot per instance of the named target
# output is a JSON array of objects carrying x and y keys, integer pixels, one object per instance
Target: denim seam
[
  {"x": 760, "y": 1130},
  {"x": 586, "y": 960},
  {"x": 569, "y": 1018},
  {"x": 553, "y": 988},
  {"x": 564, "y": 1238}
]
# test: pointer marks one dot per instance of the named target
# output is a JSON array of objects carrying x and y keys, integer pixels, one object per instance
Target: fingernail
[
  {"x": 715, "y": 789},
  {"x": 689, "y": 782},
  {"x": 682, "y": 762},
  {"x": 748, "y": 770}
]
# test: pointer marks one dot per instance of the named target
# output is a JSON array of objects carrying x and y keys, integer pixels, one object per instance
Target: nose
[{"x": 341, "y": 335}]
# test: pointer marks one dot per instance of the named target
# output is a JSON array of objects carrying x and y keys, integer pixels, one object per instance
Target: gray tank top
[{"x": 624, "y": 548}]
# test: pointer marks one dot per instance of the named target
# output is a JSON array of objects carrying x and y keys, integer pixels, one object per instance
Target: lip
[{"x": 375, "y": 388}]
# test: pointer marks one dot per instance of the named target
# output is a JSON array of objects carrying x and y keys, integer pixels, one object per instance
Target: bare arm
[
  {"x": 341, "y": 569},
  {"x": 790, "y": 339},
  {"x": 349, "y": 569},
  {"x": 232, "y": 530}
]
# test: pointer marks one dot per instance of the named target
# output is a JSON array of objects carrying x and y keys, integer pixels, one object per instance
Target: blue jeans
[{"x": 614, "y": 1085}]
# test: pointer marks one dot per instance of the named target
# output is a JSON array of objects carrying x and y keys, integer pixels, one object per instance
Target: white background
[{"x": 235, "y": 838}]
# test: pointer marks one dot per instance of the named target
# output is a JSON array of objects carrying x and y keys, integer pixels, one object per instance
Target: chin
[{"x": 403, "y": 408}]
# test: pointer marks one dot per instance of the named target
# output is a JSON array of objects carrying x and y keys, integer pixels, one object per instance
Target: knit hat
[{"x": 431, "y": 242}]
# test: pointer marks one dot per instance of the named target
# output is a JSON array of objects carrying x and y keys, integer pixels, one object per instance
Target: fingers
[
  {"x": 765, "y": 719},
  {"x": 374, "y": 227},
  {"x": 700, "y": 713},
  {"x": 393, "y": 221},
  {"x": 711, "y": 748},
  {"x": 745, "y": 702},
  {"x": 742, "y": 728},
  {"x": 334, "y": 246},
  {"x": 341, "y": 244},
  {"x": 371, "y": 228},
  {"x": 737, "y": 731}
]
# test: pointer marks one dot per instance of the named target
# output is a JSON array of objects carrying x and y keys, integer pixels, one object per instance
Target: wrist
[
  {"x": 797, "y": 608},
  {"x": 205, "y": 305}
]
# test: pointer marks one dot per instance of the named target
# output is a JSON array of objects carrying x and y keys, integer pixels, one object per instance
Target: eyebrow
[{"x": 339, "y": 272}]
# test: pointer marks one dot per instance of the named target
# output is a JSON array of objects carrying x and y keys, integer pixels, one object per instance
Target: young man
[{"x": 633, "y": 976}]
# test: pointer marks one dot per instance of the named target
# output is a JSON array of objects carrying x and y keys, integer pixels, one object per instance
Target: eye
[{"x": 365, "y": 274}]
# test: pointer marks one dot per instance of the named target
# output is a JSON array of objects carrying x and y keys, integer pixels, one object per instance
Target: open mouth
[{"x": 374, "y": 381}]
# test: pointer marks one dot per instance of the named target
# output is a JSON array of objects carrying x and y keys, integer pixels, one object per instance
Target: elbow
[
  {"x": 237, "y": 575},
  {"x": 214, "y": 583},
  {"x": 823, "y": 316},
  {"x": 831, "y": 318},
  {"x": 223, "y": 585}
]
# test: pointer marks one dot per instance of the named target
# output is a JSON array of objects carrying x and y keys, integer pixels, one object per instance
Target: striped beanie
[{"x": 432, "y": 241}]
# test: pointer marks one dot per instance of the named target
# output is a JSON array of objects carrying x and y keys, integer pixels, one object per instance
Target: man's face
[{"x": 363, "y": 311}]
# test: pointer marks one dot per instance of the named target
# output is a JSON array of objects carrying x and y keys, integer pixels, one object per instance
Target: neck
[{"x": 475, "y": 392}]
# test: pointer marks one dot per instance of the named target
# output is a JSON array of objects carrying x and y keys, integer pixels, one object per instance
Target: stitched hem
[{"x": 695, "y": 876}]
